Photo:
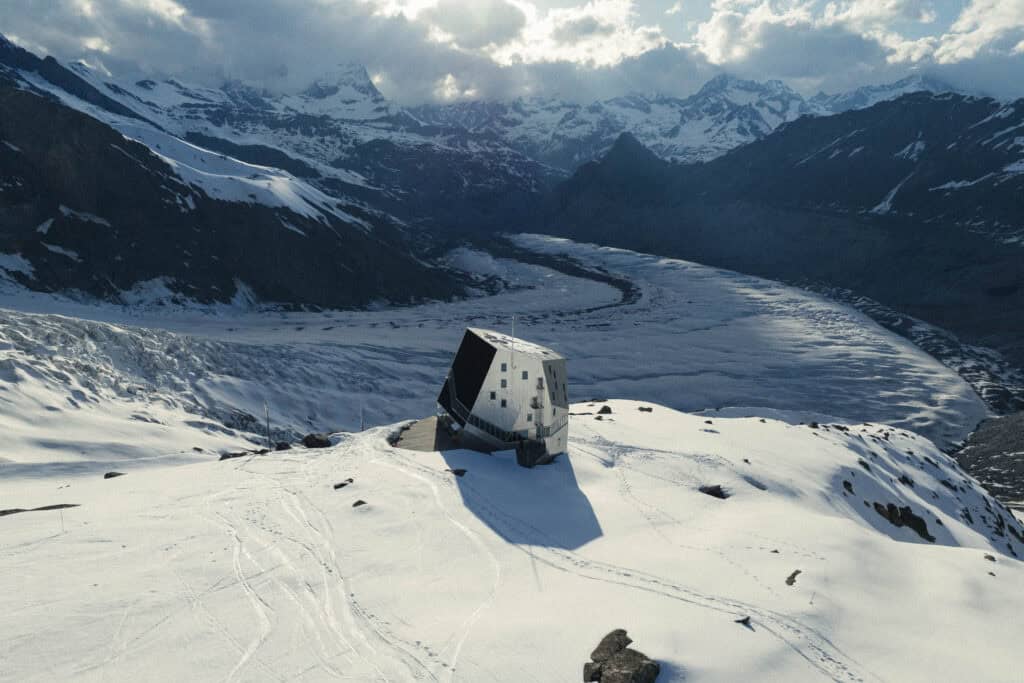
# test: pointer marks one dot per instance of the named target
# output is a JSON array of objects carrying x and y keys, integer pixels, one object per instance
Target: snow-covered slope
[
  {"x": 870, "y": 95},
  {"x": 684, "y": 335},
  {"x": 259, "y": 569}
]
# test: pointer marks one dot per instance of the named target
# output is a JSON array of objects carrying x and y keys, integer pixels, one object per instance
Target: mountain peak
[
  {"x": 351, "y": 77},
  {"x": 628, "y": 152}
]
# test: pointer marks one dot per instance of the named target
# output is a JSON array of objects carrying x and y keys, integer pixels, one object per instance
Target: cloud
[
  {"x": 576, "y": 30},
  {"x": 421, "y": 50},
  {"x": 477, "y": 24}
]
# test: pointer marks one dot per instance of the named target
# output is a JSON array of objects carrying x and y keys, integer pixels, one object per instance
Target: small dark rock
[
  {"x": 112, "y": 475},
  {"x": 776, "y": 551},
  {"x": 605, "y": 410},
  {"x": 282, "y": 446},
  {"x": 197, "y": 449},
  {"x": 359, "y": 503},
  {"x": 863, "y": 463},
  {"x": 708, "y": 422},
  {"x": 591, "y": 672},
  {"x": 745, "y": 621},
  {"x": 645, "y": 409},
  {"x": 598, "y": 417},
  {"x": 316, "y": 441},
  {"x": 714, "y": 490},
  {"x": 458, "y": 472},
  {"x": 847, "y": 485},
  {"x": 814, "y": 425},
  {"x": 990, "y": 558},
  {"x": 791, "y": 579},
  {"x": 629, "y": 666},
  {"x": 613, "y": 642}
]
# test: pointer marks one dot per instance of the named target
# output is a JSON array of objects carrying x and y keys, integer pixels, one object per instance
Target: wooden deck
[{"x": 428, "y": 435}]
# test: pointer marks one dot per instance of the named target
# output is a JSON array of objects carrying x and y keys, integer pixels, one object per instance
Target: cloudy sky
[{"x": 420, "y": 50}]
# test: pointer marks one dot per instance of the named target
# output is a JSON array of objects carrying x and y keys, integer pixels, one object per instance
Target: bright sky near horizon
[{"x": 419, "y": 50}]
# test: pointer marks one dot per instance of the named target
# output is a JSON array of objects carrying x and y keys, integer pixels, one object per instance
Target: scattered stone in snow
[
  {"x": 745, "y": 621},
  {"x": 645, "y": 409},
  {"x": 316, "y": 441},
  {"x": 847, "y": 485},
  {"x": 359, "y": 503},
  {"x": 613, "y": 662},
  {"x": 282, "y": 446},
  {"x": 708, "y": 422},
  {"x": 904, "y": 516},
  {"x": 343, "y": 484},
  {"x": 990, "y": 558},
  {"x": 791, "y": 579},
  {"x": 197, "y": 449},
  {"x": 605, "y": 410},
  {"x": 112, "y": 475},
  {"x": 814, "y": 425},
  {"x": 714, "y": 490},
  {"x": 458, "y": 472},
  {"x": 610, "y": 644},
  {"x": 863, "y": 463}
]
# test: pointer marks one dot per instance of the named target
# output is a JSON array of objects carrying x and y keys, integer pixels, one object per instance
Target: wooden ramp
[{"x": 429, "y": 435}]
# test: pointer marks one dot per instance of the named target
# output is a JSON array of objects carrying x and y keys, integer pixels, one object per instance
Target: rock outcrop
[{"x": 612, "y": 661}]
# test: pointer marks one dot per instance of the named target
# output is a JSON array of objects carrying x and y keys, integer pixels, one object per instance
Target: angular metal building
[{"x": 509, "y": 393}]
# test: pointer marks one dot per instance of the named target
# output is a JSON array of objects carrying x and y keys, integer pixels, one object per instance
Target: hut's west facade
[{"x": 509, "y": 393}]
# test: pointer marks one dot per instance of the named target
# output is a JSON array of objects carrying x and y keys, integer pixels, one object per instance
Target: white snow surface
[
  {"x": 258, "y": 569},
  {"x": 87, "y": 387}
]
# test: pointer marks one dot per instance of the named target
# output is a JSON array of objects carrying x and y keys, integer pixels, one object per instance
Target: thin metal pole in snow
[
  {"x": 266, "y": 412},
  {"x": 362, "y": 421}
]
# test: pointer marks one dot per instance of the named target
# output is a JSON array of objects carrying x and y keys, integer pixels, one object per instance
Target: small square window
[
  {"x": 504, "y": 367},
  {"x": 552, "y": 411},
  {"x": 493, "y": 395},
  {"x": 526, "y": 375},
  {"x": 529, "y": 417},
  {"x": 504, "y": 403},
  {"x": 504, "y": 383}
]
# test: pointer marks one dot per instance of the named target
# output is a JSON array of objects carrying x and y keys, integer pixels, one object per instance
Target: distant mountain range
[
  {"x": 726, "y": 113},
  {"x": 334, "y": 196},
  {"x": 917, "y": 203}
]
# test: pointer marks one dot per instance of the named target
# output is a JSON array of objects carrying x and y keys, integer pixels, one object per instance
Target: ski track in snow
[{"x": 823, "y": 655}]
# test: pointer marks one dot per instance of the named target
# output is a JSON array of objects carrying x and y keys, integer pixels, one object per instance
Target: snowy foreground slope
[
  {"x": 258, "y": 569},
  {"x": 87, "y": 388}
]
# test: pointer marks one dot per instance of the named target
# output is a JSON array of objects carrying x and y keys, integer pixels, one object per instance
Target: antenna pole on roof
[{"x": 513, "y": 342}]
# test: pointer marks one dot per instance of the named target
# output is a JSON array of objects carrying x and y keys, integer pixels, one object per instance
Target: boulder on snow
[
  {"x": 613, "y": 662},
  {"x": 610, "y": 644},
  {"x": 605, "y": 410},
  {"x": 629, "y": 666},
  {"x": 282, "y": 446},
  {"x": 316, "y": 441},
  {"x": 111, "y": 475}
]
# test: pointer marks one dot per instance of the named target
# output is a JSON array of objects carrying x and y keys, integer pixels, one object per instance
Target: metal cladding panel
[
  {"x": 445, "y": 401},
  {"x": 470, "y": 368},
  {"x": 558, "y": 382}
]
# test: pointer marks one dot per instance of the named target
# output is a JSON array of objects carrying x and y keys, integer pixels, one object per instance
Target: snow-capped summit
[
  {"x": 870, "y": 95},
  {"x": 351, "y": 76},
  {"x": 346, "y": 92}
]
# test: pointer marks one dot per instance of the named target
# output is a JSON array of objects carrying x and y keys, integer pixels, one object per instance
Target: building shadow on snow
[{"x": 543, "y": 506}]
